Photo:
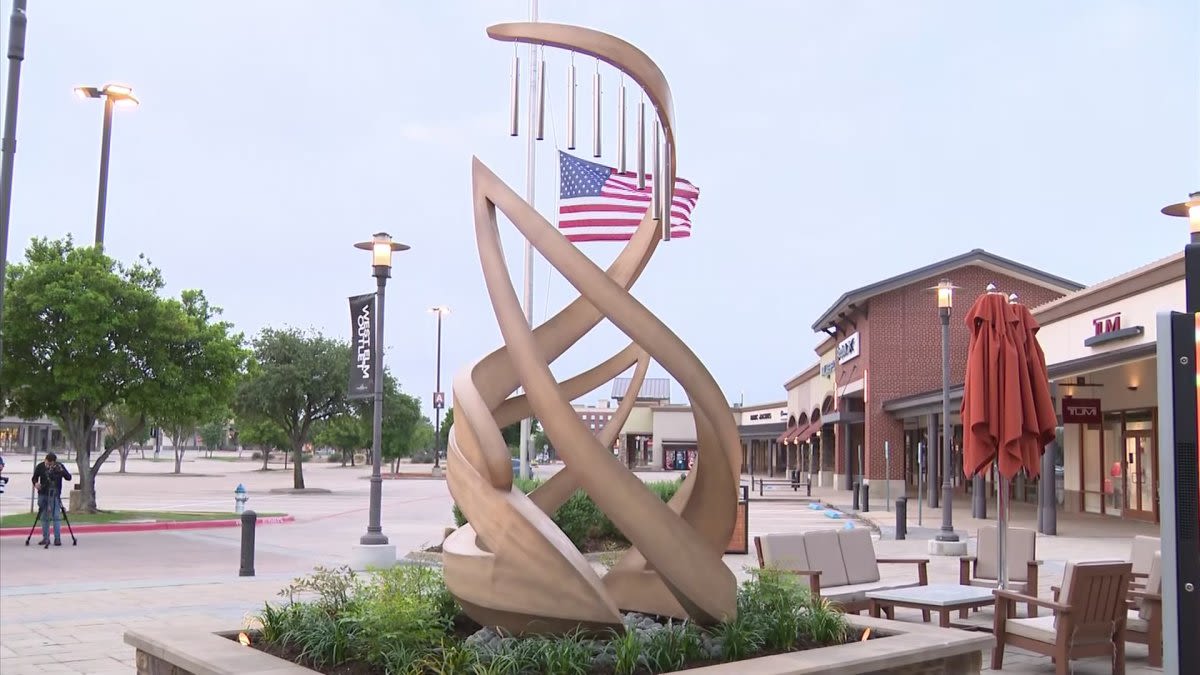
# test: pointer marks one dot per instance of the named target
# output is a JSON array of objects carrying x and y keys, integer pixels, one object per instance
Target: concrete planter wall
[{"x": 906, "y": 649}]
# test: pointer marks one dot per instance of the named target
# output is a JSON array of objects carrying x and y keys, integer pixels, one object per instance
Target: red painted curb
[{"x": 151, "y": 527}]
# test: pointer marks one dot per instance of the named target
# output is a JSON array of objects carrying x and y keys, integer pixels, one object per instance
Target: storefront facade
[
  {"x": 1100, "y": 352},
  {"x": 881, "y": 366},
  {"x": 759, "y": 427}
]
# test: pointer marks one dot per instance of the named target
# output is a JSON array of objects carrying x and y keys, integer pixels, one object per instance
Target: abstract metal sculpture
[{"x": 510, "y": 566}]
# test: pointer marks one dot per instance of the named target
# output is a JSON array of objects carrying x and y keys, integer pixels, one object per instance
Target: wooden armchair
[
  {"x": 983, "y": 569},
  {"x": 1091, "y": 621},
  {"x": 1144, "y": 624}
]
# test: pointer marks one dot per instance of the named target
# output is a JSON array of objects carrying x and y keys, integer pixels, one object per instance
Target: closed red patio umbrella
[{"x": 1007, "y": 412}]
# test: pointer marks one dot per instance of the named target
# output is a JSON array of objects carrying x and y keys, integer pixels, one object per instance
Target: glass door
[{"x": 1141, "y": 484}]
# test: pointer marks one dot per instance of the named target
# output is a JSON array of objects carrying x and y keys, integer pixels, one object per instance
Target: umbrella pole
[{"x": 1002, "y": 531}]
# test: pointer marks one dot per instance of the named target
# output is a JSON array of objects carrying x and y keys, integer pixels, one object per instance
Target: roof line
[{"x": 974, "y": 255}]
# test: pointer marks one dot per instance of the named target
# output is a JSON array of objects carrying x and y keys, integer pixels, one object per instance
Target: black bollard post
[
  {"x": 249, "y": 522},
  {"x": 745, "y": 493},
  {"x": 866, "y": 496},
  {"x": 808, "y": 487},
  {"x": 901, "y": 517},
  {"x": 854, "y": 490}
]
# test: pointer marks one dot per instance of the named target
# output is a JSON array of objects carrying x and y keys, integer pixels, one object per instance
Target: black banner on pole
[{"x": 362, "y": 346}]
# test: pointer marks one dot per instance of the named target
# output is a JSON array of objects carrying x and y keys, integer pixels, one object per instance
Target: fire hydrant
[{"x": 239, "y": 499}]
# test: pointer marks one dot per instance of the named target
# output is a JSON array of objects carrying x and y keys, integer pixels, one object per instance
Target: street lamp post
[
  {"x": 113, "y": 95},
  {"x": 945, "y": 302},
  {"x": 381, "y": 248},
  {"x": 439, "y": 399},
  {"x": 1178, "y": 375}
]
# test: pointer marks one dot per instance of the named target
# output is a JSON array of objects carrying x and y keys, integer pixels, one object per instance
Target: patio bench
[{"x": 840, "y": 565}]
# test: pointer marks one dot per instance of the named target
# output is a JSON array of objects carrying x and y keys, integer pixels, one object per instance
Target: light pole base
[
  {"x": 437, "y": 472},
  {"x": 364, "y": 556},
  {"x": 947, "y": 548}
]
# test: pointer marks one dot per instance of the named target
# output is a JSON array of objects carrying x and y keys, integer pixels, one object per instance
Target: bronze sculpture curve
[{"x": 510, "y": 566}]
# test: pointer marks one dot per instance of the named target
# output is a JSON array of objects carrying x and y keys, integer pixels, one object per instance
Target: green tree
[
  {"x": 204, "y": 390},
  {"x": 345, "y": 433},
  {"x": 402, "y": 419},
  {"x": 84, "y": 332},
  {"x": 214, "y": 434},
  {"x": 264, "y": 435},
  {"x": 444, "y": 431},
  {"x": 295, "y": 380},
  {"x": 125, "y": 426}
]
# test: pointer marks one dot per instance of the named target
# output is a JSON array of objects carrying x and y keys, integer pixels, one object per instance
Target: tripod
[{"x": 54, "y": 497}]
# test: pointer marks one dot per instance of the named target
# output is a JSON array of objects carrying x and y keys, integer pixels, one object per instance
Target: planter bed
[
  {"x": 899, "y": 649},
  {"x": 405, "y": 620}
]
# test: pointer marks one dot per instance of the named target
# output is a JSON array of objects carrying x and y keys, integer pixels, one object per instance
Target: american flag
[{"x": 598, "y": 204}]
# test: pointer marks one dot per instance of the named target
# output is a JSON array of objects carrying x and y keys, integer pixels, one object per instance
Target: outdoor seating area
[{"x": 1099, "y": 607}]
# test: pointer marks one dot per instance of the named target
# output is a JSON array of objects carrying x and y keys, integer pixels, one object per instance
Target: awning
[{"x": 788, "y": 435}]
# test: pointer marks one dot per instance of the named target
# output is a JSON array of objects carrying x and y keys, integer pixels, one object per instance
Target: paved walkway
[{"x": 64, "y": 610}]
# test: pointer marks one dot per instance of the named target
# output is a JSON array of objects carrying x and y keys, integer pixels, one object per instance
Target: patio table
[{"x": 940, "y": 598}]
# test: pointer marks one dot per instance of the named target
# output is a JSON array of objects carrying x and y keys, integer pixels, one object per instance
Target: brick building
[{"x": 878, "y": 381}]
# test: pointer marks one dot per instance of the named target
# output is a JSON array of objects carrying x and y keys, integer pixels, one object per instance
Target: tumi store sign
[{"x": 1081, "y": 410}]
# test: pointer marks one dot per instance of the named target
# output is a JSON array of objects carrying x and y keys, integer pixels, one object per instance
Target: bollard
[
  {"x": 866, "y": 496},
  {"x": 745, "y": 493},
  {"x": 854, "y": 489},
  {"x": 808, "y": 488},
  {"x": 249, "y": 522},
  {"x": 901, "y": 517}
]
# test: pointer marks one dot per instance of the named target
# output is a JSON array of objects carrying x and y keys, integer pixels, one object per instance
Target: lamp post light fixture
[
  {"x": 381, "y": 247},
  {"x": 1191, "y": 253},
  {"x": 946, "y": 541},
  {"x": 114, "y": 95},
  {"x": 439, "y": 398}
]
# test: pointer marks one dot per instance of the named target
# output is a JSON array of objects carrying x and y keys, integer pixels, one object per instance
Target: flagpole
[{"x": 530, "y": 162}]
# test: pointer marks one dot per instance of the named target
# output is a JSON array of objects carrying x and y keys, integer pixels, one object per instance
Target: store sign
[
  {"x": 1109, "y": 323},
  {"x": 847, "y": 349},
  {"x": 760, "y": 416},
  {"x": 827, "y": 368},
  {"x": 1081, "y": 410}
]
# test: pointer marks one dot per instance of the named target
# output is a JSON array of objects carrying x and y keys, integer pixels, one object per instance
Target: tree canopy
[
  {"x": 84, "y": 332},
  {"x": 294, "y": 380}
]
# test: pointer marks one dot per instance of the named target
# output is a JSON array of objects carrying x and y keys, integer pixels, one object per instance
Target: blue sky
[{"x": 835, "y": 143}]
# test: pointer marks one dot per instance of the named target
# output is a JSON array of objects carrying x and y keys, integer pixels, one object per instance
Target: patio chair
[
  {"x": 983, "y": 568},
  {"x": 1141, "y": 554},
  {"x": 1091, "y": 621},
  {"x": 1144, "y": 624}
]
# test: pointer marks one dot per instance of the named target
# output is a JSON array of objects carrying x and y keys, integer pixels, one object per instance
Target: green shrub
[
  {"x": 579, "y": 517},
  {"x": 402, "y": 620}
]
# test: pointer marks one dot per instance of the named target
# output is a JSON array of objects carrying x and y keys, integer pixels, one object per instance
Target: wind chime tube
[
  {"x": 656, "y": 175},
  {"x": 541, "y": 100},
  {"x": 514, "y": 111},
  {"x": 641, "y": 146},
  {"x": 667, "y": 193},
  {"x": 596, "y": 111},
  {"x": 571, "y": 105},
  {"x": 621, "y": 129}
]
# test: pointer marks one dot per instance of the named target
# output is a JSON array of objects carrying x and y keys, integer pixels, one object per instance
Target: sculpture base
[
  {"x": 950, "y": 548},
  {"x": 363, "y": 556}
]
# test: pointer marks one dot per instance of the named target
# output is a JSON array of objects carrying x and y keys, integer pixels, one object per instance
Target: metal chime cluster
[{"x": 661, "y": 192}]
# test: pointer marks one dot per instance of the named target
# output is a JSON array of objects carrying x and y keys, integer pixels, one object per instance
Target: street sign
[{"x": 439, "y": 400}]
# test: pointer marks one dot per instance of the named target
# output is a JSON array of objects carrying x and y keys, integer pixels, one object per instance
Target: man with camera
[{"x": 48, "y": 477}]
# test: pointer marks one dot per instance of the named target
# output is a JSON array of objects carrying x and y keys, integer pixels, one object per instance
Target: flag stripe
[{"x": 598, "y": 204}]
